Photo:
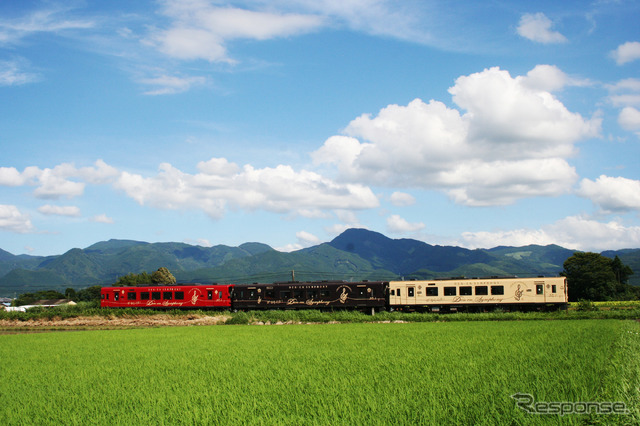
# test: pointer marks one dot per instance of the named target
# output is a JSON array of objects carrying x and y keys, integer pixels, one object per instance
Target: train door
[
  {"x": 541, "y": 294},
  {"x": 395, "y": 293},
  {"x": 411, "y": 296},
  {"x": 401, "y": 293}
]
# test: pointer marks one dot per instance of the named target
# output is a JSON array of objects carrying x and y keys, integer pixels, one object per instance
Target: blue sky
[{"x": 463, "y": 123}]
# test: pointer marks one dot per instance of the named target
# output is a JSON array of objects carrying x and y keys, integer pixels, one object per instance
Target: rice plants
[{"x": 422, "y": 373}]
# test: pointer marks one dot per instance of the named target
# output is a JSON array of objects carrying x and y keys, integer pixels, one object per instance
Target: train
[{"x": 439, "y": 295}]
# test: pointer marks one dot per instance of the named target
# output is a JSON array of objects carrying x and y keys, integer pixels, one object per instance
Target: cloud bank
[
  {"x": 574, "y": 232},
  {"x": 510, "y": 139}
]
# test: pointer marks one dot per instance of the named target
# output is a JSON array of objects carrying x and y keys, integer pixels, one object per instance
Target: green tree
[
  {"x": 30, "y": 298},
  {"x": 591, "y": 276},
  {"x": 24, "y": 299},
  {"x": 133, "y": 280},
  {"x": 89, "y": 294},
  {"x": 621, "y": 271},
  {"x": 70, "y": 293},
  {"x": 163, "y": 276}
]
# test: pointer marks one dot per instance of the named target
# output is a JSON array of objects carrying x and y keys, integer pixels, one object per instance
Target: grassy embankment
[{"x": 38, "y": 317}]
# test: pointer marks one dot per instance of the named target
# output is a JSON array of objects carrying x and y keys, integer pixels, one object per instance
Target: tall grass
[
  {"x": 316, "y": 316},
  {"x": 418, "y": 373}
]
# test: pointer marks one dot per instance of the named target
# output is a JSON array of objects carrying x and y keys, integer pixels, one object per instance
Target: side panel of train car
[
  {"x": 311, "y": 295},
  {"x": 517, "y": 293},
  {"x": 183, "y": 296}
]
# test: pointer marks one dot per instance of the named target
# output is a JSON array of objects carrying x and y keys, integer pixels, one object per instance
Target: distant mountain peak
[
  {"x": 114, "y": 244},
  {"x": 353, "y": 239}
]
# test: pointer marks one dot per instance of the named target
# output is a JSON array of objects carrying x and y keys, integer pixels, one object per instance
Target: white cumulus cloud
[
  {"x": 307, "y": 239},
  {"x": 625, "y": 92},
  {"x": 612, "y": 193},
  {"x": 62, "y": 181},
  {"x": 402, "y": 199},
  {"x": 13, "y": 220},
  {"x": 102, "y": 218},
  {"x": 492, "y": 153},
  {"x": 629, "y": 119},
  {"x": 627, "y": 52},
  {"x": 537, "y": 27},
  {"x": 200, "y": 29},
  {"x": 304, "y": 239},
  {"x": 221, "y": 185},
  {"x": 399, "y": 225}
]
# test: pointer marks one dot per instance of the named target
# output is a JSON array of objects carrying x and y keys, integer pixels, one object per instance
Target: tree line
[{"x": 89, "y": 294}]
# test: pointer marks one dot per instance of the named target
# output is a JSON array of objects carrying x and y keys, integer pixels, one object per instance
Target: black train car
[{"x": 368, "y": 296}]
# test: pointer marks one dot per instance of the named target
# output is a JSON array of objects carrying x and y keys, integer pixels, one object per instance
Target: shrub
[
  {"x": 586, "y": 305},
  {"x": 238, "y": 318}
]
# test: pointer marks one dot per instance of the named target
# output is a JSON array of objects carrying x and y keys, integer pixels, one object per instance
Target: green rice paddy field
[{"x": 410, "y": 373}]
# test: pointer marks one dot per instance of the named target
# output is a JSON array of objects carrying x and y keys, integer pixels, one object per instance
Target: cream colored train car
[{"x": 479, "y": 294}]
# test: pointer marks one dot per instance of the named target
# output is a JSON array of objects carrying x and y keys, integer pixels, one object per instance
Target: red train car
[{"x": 175, "y": 296}]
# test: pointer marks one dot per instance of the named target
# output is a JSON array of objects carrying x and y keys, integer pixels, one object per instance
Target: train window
[
  {"x": 497, "y": 290},
  {"x": 131, "y": 295},
  {"x": 116, "y": 296},
  {"x": 481, "y": 290},
  {"x": 312, "y": 294},
  {"x": 432, "y": 291},
  {"x": 465, "y": 291},
  {"x": 179, "y": 295},
  {"x": 285, "y": 294},
  {"x": 324, "y": 293},
  {"x": 102, "y": 296},
  {"x": 220, "y": 294},
  {"x": 393, "y": 292},
  {"x": 144, "y": 295},
  {"x": 362, "y": 292},
  {"x": 167, "y": 295},
  {"x": 553, "y": 288},
  {"x": 450, "y": 291},
  {"x": 155, "y": 295},
  {"x": 298, "y": 294},
  {"x": 210, "y": 294},
  {"x": 539, "y": 289},
  {"x": 107, "y": 296},
  {"x": 398, "y": 292},
  {"x": 411, "y": 291}
]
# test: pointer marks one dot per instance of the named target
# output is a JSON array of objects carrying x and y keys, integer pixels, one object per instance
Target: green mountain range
[{"x": 356, "y": 254}]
